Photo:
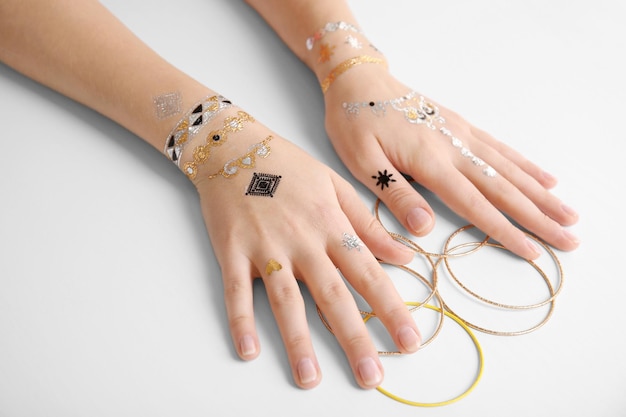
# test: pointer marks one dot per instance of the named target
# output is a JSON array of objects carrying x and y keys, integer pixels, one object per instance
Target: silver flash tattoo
[
  {"x": 351, "y": 242},
  {"x": 167, "y": 105},
  {"x": 417, "y": 110}
]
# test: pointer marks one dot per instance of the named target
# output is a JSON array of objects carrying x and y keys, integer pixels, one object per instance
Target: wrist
[{"x": 338, "y": 48}]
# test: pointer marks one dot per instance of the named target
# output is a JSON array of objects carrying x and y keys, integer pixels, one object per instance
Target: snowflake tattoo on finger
[{"x": 383, "y": 179}]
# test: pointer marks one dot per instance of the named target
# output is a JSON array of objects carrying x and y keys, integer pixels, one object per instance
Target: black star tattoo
[{"x": 383, "y": 179}]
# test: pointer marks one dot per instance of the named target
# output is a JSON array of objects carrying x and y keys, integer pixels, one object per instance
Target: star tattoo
[
  {"x": 383, "y": 179},
  {"x": 326, "y": 51}
]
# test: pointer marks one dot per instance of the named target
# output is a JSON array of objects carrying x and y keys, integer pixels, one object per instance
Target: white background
[{"x": 110, "y": 297}]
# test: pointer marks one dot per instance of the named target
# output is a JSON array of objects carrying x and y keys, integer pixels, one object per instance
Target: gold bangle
[
  {"x": 346, "y": 65},
  {"x": 479, "y": 373}
]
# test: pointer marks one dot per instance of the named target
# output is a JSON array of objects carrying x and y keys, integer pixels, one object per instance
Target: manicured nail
[
  {"x": 307, "y": 372},
  {"x": 568, "y": 210},
  {"x": 409, "y": 339},
  {"x": 533, "y": 247},
  {"x": 369, "y": 372},
  {"x": 570, "y": 236},
  {"x": 548, "y": 176},
  {"x": 247, "y": 346},
  {"x": 419, "y": 220}
]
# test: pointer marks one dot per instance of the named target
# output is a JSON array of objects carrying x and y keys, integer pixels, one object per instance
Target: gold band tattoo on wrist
[
  {"x": 248, "y": 160},
  {"x": 215, "y": 138},
  {"x": 347, "y": 65}
]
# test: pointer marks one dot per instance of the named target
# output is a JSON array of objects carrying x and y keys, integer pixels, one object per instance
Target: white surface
[{"x": 110, "y": 298}]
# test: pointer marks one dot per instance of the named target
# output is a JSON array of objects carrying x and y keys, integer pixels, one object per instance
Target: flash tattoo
[
  {"x": 263, "y": 185},
  {"x": 167, "y": 105},
  {"x": 383, "y": 179},
  {"x": 351, "y": 242},
  {"x": 326, "y": 51}
]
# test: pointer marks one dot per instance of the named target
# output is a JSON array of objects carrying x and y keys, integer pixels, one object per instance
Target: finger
[
  {"x": 237, "y": 278},
  {"x": 518, "y": 174},
  {"x": 377, "y": 173},
  {"x": 527, "y": 203},
  {"x": 369, "y": 279},
  {"x": 462, "y": 196},
  {"x": 340, "y": 310},
  {"x": 377, "y": 239},
  {"x": 288, "y": 308},
  {"x": 544, "y": 178}
]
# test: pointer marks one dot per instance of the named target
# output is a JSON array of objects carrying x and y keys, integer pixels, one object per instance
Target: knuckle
[
  {"x": 234, "y": 288},
  {"x": 333, "y": 292},
  {"x": 397, "y": 196},
  {"x": 297, "y": 340},
  {"x": 370, "y": 279},
  {"x": 373, "y": 228},
  {"x": 238, "y": 321},
  {"x": 392, "y": 313},
  {"x": 357, "y": 342},
  {"x": 477, "y": 202},
  {"x": 507, "y": 167},
  {"x": 285, "y": 295}
]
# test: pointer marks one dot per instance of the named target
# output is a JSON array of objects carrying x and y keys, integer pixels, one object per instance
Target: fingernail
[
  {"x": 409, "y": 339},
  {"x": 369, "y": 372},
  {"x": 570, "y": 236},
  {"x": 247, "y": 346},
  {"x": 533, "y": 247},
  {"x": 568, "y": 210},
  {"x": 548, "y": 176},
  {"x": 419, "y": 219},
  {"x": 307, "y": 371}
]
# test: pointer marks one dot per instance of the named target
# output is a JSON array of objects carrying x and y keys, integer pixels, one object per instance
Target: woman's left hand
[{"x": 381, "y": 130}]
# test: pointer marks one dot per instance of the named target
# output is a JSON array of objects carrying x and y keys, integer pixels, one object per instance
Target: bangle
[
  {"x": 554, "y": 293},
  {"x": 346, "y": 65},
  {"x": 481, "y": 365}
]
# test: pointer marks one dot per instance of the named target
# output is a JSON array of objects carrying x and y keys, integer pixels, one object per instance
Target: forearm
[{"x": 81, "y": 50}]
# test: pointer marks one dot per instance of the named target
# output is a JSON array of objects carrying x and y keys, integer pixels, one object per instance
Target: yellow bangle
[
  {"x": 481, "y": 365},
  {"x": 346, "y": 65}
]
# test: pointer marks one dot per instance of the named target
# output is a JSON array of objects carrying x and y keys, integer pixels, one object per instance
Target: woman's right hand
[{"x": 283, "y": 218}]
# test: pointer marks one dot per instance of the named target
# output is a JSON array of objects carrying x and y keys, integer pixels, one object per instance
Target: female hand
[
  {"x": 280, "y": 215},
  {"x": 380, "y": 129}
]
